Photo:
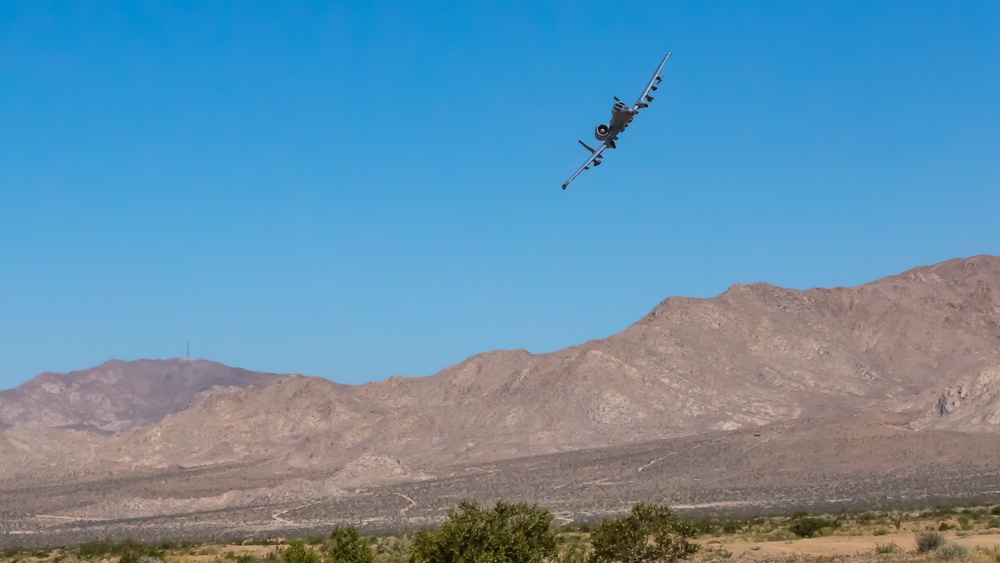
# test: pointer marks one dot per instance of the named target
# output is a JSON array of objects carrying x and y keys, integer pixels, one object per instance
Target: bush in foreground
[
  {"x": 348, "y": 546},
  {"x": 627, "y": 538},
  {"x": 929, "y": 541},
  {"x": 297, "y": 552},
  {"x": 517, "y": 533},
  {"x": 951, "y": 551}
]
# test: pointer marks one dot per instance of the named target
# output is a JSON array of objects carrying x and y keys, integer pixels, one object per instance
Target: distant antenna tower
[{"x": 189, "y": 349}]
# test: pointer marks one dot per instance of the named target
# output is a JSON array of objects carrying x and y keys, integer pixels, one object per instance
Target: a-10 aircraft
[{"x": 621, "y": 116}]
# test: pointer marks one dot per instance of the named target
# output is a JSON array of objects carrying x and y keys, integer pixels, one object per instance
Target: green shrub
[
  {"x": 993, "y": 523},
  {"x": 929, "y": 541},
  {"x": 809, "y": 527},
  {"x": 945, "y": 526},
  {"x": 995, "y": 511},
  {"x": 880, "y": 531},
  {"x": 951, "y": 551},
  {"x": 649, "y": 533},
  {"x": 964, "y": 523},
  {"x": 702, "y": 526},
  {"x": 297, "y": 552},
  {"x": 348, "y": 546},
  {"x": 731, "y": 526},
  {"x": 518, "y": 533}
]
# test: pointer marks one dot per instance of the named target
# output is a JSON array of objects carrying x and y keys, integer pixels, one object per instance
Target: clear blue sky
[{"x": 361, "y": 189}]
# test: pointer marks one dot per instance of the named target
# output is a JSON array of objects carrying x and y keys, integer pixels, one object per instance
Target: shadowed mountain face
[
  {"x": 118, "y": 395},
  {"x": 921, "y": 349}
]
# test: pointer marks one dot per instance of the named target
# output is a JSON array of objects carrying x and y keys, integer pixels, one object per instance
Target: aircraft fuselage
[{"x": 621, "y": 116}]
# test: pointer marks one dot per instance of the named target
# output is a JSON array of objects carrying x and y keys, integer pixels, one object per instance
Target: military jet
[{"x": 621, "y": 116}]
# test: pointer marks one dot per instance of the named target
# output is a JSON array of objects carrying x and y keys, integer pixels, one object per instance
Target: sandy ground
[
  {"x": 830, "y": 548},
  {"x": 836, "y": 546}
]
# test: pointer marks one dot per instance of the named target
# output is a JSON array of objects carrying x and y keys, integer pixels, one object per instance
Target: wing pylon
[{"x": 643, "y": 100}]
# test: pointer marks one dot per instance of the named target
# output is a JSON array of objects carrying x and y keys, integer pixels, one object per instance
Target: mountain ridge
[
  {"x": 117, "y": 395},
  {"x": 753, "y": 355}
]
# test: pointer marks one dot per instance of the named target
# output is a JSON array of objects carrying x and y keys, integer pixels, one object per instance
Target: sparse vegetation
[
  {"x": 883, "y": 548},
  {"x": 810, "y": 527},
  {"x": 523, "y": 532},
  {"x": 128, "y": 551}
]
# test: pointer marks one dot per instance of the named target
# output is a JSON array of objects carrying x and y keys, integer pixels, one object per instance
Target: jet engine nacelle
[{"x": 601, "y": 132}]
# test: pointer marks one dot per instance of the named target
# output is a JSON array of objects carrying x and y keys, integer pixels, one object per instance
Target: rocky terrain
[{"x": 761, "y": 397}]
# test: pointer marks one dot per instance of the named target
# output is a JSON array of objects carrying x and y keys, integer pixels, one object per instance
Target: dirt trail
[
  {"x": 413, "y": 503},
  {"x": 277, "y": 515}
]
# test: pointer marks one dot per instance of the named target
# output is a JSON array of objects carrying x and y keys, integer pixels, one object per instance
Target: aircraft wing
[
  {"x": 595, "y": 159},
  {"x": 651, "y": 86}
]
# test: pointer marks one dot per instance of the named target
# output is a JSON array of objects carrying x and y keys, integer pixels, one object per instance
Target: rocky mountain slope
[{"x": 924, "y": 344}]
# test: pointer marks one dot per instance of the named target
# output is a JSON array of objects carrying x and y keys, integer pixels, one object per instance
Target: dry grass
[{"x": 861, "y": 537}]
